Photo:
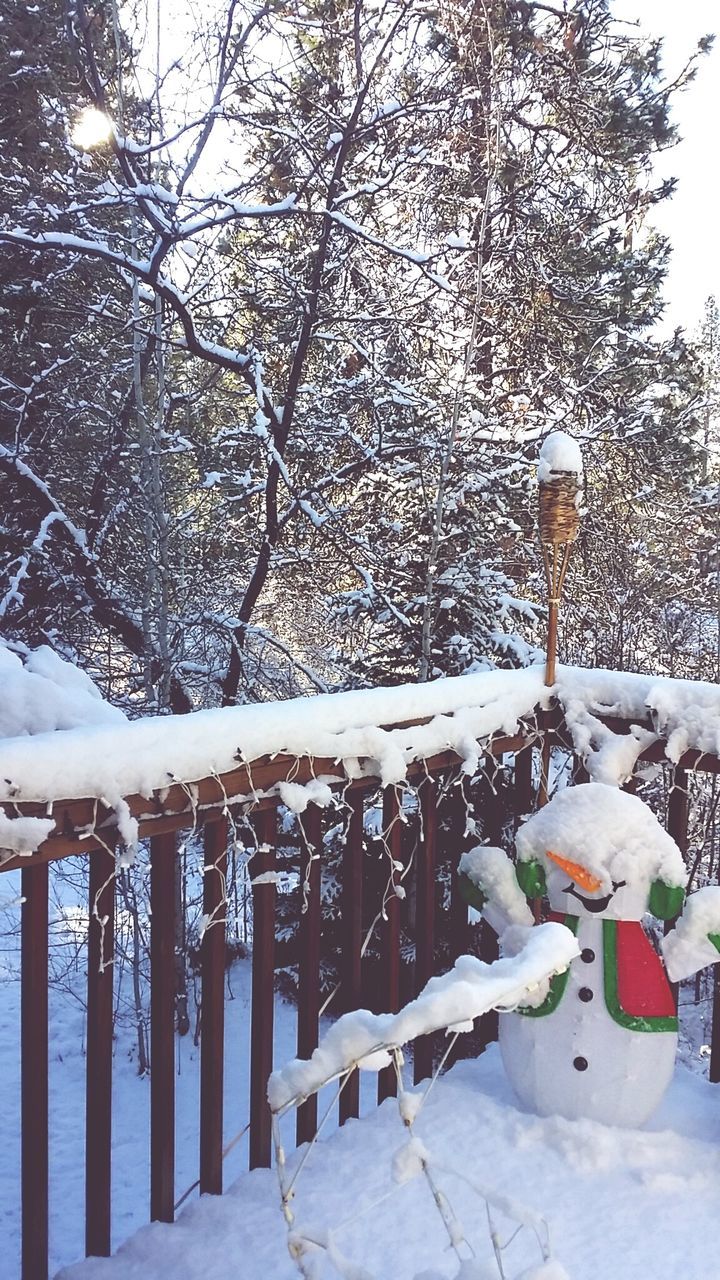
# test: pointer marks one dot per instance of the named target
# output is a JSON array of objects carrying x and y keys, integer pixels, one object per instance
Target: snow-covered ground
[
  {"x": 600, "y": 1189},
  {"x": 619, "y": 1203}
]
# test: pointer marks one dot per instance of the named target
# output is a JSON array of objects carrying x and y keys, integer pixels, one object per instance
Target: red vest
[
  {"x": 637, "y": 992},
  {"x": 642, "y": 986}
]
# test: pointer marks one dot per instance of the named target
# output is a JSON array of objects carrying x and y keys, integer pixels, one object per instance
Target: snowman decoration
[{"x": 598, "y": 1041}]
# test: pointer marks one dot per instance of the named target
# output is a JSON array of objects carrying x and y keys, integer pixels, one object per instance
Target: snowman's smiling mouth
[{"x": 596, "y": 905}]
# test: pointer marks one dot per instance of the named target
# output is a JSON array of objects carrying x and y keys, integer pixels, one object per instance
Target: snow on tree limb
[{"x": 107, "y": 605}]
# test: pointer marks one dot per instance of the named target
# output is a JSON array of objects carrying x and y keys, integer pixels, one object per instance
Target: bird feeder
[{"x": 560, "y": 473}]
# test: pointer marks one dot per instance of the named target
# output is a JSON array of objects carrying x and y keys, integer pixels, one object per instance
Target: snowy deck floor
[{"x": 620, "y": 1204}]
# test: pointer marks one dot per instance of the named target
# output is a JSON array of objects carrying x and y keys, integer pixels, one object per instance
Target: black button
[
  {"x": 580, "y": 1064},
  {"x": 587, "y": 955},
  {"x": 585, "y": 994}
]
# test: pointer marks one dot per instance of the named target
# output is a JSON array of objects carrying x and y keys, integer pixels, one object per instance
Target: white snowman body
[
  {"x": 578, "y": 1061},
  {"x": 600, "y": 1043}
]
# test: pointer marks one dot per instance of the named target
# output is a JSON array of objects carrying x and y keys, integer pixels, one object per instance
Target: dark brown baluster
[
  {"x": 34, "y": 1087},
  {"x": 677, "y": 824},
  {"x": 545, "y": 760},
  {"x": 523, "y": 784},
  {"x": 492, "y": 803},
  {"x": 390, "y": 936},
  {"x": 525, "y": 801},
  {"x": 678, "y": 809},
  {"x": 493, "y": 815},
  {"x": 163, "y": 870},
  {"x": 425, "y": 916},
  {"x": 580, "y": 774},
  {"x": 458, "y": 841},
  {"x": 352, "y": 938},
  {"x": 98, "y": 1112},
  {"x": 213, "y": 1007},
  {"x": 263, "y": 994},
  {"x": 309, "y": 965},
  {"x": 489, "y": 951}
]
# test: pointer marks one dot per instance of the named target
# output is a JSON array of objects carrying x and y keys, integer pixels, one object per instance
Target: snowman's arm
[
  {"x": 695, "y": 940},
  {"x": 489, "y": 884}
]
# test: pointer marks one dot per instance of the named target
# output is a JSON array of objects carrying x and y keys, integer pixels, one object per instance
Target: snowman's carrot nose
[{"x": 578, "y": 873}]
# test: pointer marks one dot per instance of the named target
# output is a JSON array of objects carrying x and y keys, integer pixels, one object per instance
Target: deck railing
[{"x": 89, "y": 828}]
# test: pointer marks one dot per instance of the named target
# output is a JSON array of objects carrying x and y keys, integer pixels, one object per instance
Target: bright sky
[{"x": 690, "y": 220}]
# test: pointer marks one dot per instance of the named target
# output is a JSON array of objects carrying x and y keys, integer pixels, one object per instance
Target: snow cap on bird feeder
[{"x": 560, "y": 473}]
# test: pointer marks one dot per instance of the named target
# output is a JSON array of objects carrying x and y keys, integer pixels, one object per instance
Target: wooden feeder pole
[{"x": 559, "y": 528}]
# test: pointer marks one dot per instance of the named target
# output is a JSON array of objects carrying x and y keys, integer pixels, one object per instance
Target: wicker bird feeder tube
[
  {"x": 559, "y": 515},
  {"x": 559, "y": 528}
]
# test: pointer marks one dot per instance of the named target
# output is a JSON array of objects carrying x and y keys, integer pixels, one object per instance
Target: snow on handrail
[{"x": 118, "y": 774}]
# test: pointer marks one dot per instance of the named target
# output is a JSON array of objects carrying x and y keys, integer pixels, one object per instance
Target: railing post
[
  {"x": 390, "y": 937},
  {"x": 493, "y": 812},
  {"x": 523, "y": 784},
  {"x": 352, "y": 887},
  {"x": 580, "y": 773},
  {"x": 425, "y": 916},
  {"x": 678, "y": 809},
  {"x": 263, "y": 991},
  {"x": 458, "y": 939},
  {"x": 163, "y": 870},
  {"x": 309, "y": 961},
  {"x": 677, "y": 824},
  {"x": 34, "y": 1071},
  {"x": 493, "y": 816},
  {"x": 98, "y": 1097},
  {"x": 545, "y": 762},
  {"x": 213, "y": 1007}
]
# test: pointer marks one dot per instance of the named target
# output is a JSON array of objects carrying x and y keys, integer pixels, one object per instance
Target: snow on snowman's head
[{"x": 603, "y": 854}]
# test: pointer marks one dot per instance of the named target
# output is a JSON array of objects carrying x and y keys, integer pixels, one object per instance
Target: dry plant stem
[
  {"x": 535, "y": 1221},
  {"x": 437, "y": 1072},
  {"x": 497, "y": 1248},
  {"x": 442, "y": 1204},
  {"x": 287, "y": 1188},
  {"x": 297, "y": 1243}
]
